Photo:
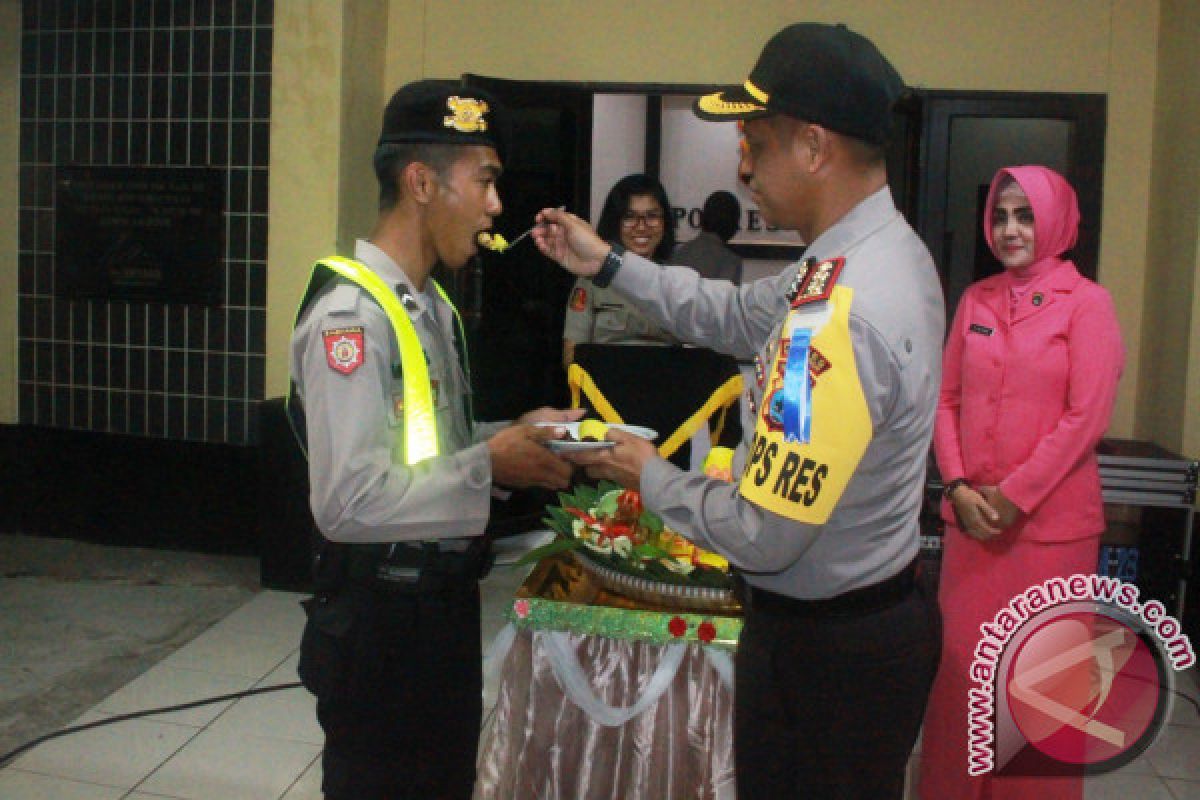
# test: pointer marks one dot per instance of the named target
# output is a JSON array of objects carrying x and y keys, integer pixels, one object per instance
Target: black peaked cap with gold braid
[{"x": 825, "y": 74}]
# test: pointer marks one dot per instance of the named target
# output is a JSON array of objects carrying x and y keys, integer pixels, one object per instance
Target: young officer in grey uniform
[
  {"x": 840, "y": 644},
  {"x": 401, "y": 474}
]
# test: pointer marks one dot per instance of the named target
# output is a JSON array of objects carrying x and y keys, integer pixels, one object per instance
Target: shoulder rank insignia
[
  {"x": 466, "y": 114},
  {"x": 814, "y": 281},
  {"x": 344, "y": 349}
]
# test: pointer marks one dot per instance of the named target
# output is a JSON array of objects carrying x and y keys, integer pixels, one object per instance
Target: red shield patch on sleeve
[
  {"x": 344, "y": 349},
  {"x": 579, "y": 299}
]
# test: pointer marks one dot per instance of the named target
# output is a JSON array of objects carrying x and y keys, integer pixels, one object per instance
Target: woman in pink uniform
[{"x": 1028, "y": 382}]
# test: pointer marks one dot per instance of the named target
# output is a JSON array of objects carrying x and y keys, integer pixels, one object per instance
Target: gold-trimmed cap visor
[
  {"x": 824, "y": 74},
  {"x": 736, "y": 102}
]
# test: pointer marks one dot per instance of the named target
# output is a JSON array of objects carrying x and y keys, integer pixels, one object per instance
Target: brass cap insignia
[{"x": 467, "y": 114}]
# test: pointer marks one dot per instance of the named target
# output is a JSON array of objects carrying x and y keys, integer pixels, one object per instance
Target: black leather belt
[
  {"x": 407, "y": 567},
  {"x": 855, "y": 602}
]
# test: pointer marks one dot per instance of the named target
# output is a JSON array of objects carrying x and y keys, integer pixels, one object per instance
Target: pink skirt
[{"x": 978, "y": 578}]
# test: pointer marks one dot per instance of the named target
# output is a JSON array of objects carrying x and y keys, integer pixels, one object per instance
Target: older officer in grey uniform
[
  {"x": 401, "y": 474},
  {"x": 840, "y": 642}
]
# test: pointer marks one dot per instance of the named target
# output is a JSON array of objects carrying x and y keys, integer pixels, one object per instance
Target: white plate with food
[{"x": 589, "y": 434}]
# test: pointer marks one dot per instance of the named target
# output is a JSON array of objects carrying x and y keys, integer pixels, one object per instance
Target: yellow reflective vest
[{"x": 420, "y": 424}]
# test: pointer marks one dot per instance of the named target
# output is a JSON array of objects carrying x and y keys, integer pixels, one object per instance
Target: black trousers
[
  {"x": 829, "y": 706},
  {"x": 399, "y": 692}
]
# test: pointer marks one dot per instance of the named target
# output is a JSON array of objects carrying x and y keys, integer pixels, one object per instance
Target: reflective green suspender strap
[
  {"x": 420, "y": 425},
  {"x": 463, "y": 359}
]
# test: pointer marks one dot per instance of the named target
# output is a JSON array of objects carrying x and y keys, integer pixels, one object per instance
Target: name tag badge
[{"x": 981, "y": 329}]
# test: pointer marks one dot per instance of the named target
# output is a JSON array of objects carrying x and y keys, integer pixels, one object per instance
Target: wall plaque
[{"x": 140, "y": 233}]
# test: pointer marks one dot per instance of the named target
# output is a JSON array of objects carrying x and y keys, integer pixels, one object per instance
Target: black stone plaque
[{"x": 140, "y": 233}]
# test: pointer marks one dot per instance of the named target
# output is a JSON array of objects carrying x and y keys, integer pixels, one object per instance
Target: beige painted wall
[
  {"x": 1191, "y": 399},
  {"x": 363, "y": 99},
  {"x": 306, "y": 133},
  {"x": 10, "y": 65},
  {"x": 1169, "y": 393},
  {"x": 327, "y": 95},
  {"x": 940, "y": 43}
]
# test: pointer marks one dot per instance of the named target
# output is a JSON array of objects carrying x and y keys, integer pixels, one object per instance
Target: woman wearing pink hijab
[{"x": 1029, "y": 377}]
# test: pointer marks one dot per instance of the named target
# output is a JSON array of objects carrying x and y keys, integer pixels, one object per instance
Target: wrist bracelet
[
  {"x": 952, "y": 485},
  {"x": 608, "y": 269}
]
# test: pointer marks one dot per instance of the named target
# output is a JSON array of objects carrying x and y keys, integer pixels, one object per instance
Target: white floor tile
[
  {"x": 1116, "y": 786},
  {"x": 117, "y": 755},
  {"x": 1183, "y": 712},
  {"x": 19, "y": 681},
  {"x": 231, "y": 766},
  {"x": 309, "y": 785},
  {"x": 1184, "y": 790},
  {"x": 18, "y": 785},
  {"x": 165, "y": 686},
  {"x": 510, "y": 549},
  {"x": 285, "y": 714},
  {"x": 231, "y": 652},
  {"x": 269, "y": 613},
  {"x": 1139, "y": 766},
  {"x": 1176, "y": 753}
]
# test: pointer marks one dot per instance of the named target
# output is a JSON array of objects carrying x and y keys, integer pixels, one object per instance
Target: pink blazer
[{"x": 1026, "y": 394}]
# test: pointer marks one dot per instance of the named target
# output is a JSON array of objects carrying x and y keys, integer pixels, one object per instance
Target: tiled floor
[{"x": 267, "y": 747}]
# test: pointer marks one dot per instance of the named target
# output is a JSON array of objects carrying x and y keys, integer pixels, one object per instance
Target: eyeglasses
[{"x": 651, "y": 219}]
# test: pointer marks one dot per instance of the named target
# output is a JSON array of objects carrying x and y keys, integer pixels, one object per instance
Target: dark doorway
[
  {"x": 514, "y": 302},
  {"x": 966, "y": 136}
]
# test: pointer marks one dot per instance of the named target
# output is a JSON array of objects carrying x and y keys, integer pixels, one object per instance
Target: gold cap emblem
[{"x": 466, "y": 114}]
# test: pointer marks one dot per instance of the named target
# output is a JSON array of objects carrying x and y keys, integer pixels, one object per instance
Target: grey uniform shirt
[
  {"x": 362, "y": 491},
  {"x": 897, "y": 320},
  {"x": 602, "y": 316},
  {"x": 710, "y": 257}
]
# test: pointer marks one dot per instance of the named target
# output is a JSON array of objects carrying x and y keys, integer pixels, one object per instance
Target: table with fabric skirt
[{"x": 601, "y": 696}]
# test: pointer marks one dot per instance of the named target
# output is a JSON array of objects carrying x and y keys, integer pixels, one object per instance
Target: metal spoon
[{"x": 513, "y": 243}]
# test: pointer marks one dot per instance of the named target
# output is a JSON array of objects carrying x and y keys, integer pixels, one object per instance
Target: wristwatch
[
  {"x": 952, "y": 485},
  {"x": 608, "y": 269}
]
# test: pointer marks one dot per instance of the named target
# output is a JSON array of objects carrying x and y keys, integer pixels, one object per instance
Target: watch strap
[
  {"x": 952, "y": 485},
  {"x": 608, "y": 269}
]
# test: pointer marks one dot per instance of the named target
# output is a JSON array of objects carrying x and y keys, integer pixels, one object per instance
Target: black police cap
[
  {"x": 439, "y": 113},
  {"x": 825, "y": 74}
]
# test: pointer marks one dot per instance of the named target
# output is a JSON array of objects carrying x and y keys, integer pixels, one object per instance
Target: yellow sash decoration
[
  {"x": 578, "y": 379},
  {"x": 720, "y": 400},
  {"x": 420, "y": 425},
  {"x": 804, "y": 480}
]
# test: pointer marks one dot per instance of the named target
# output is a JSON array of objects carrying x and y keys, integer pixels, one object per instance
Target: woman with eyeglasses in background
[{"x": 637, "y": 215}]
